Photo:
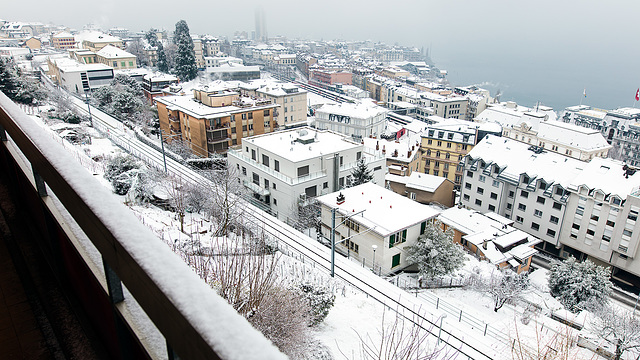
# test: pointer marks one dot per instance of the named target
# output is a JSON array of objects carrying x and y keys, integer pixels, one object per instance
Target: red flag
[{"x": 638, "y": 94}]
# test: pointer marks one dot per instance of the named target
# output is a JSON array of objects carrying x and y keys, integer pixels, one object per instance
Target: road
[{"x": 472, "y": 339}]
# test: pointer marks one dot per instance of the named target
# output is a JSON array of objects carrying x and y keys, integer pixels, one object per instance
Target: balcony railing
[{"x": 162, "y": 301}]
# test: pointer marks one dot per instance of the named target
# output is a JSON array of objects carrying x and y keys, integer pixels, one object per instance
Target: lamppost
[
  {"x": 86, "y": 94},
  {"x": 440, "y": 330},
  {"x": 374, "y": 257},
  {"x": 164, "y": 158}
]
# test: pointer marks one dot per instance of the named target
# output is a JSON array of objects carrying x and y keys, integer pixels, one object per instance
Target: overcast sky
[{"x": 560, "y": 47}]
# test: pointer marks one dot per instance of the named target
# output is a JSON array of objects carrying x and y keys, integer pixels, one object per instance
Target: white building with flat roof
[
  {"x": 286, "y": 170},
  {"x": 384, "y": 219},
  {"x": 362, "y": 119}
]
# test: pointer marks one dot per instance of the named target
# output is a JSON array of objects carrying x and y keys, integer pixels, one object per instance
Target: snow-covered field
[{"x": 355, "y": 316}]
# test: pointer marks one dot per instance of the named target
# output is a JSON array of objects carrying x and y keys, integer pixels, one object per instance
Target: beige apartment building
[
  {"x": 116, "y": 58},
  {"x": 95, "y": 41},
  {"x": 292, "y": 100},
  {"x": 63, "y": 41}
]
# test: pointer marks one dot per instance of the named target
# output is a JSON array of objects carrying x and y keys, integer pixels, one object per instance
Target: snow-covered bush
[
  {"x": 435, "y": 253},
  {"x": 320, "y": 300},
  {"x": 118, "y": 172},
  {"x": 579, "y": 284}
]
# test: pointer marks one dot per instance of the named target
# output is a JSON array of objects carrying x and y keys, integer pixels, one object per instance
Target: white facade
[
  {"x": 388, "y": 221},
  {"x": 286, "y": 169},
  {"x": 584, "y": 209},
  {"x": 362, "y": 119}
]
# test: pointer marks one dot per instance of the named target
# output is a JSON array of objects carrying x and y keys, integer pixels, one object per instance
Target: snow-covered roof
[
  {"x": 498, "y": 241},
  {"x": 385, "y": 211},
  {"x": 112, "y": 52},
  {"x": 62, "y": 34},
  {"x": 69, "y": 65},
  {"x": 359, "y": 110},
  {"x": 418, "y": 181},
  {"x": 160, "y": 76},
  {"x": 285, "y": 144},
  {"x": 188, "y": 105},
  {"x": 573, "y": 135},
  {"x": 514, "y": 158},
  {"x": 97, "y": 37}
]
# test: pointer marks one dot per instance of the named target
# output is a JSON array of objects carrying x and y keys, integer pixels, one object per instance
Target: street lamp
[
  {"x": 374, "y": 257},
  {"x": 440, "y": 330},
  {"x": 86, "y": 94}
]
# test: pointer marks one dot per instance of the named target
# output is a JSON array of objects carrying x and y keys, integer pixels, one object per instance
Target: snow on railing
[{"x": 194, "y": 320}]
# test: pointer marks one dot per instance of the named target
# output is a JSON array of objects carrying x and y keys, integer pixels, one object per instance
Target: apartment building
[
  {"x": 445, "y": 106},
  {"x": 76, "y": 77},
  {"x": 330, "y": 77},
  {"x": 423, "y": 188},
  {"x": 63, "y": 41},
  {"x": 287, "y": 169},
  {"x": 95, "y": 41},
  {"x": 582, "y": 209},
  {"x": 358, "y": 120},
  {"x": 444, "y": 145},
  {"x": 116, "y": 58},
  {"x": 563, "y": 138},
  {"x": 385, "y": 225},
  {"x": 198, "y": 52},
  {"x": 214, "y": 119},
  {"x": 152, "y": 84},
  {"x": 292, "y": 100},
  {"x": 620, "y": 128}
]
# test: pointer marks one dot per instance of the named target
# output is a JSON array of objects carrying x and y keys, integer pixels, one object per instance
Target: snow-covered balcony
[{"x": 141, "y": 298}]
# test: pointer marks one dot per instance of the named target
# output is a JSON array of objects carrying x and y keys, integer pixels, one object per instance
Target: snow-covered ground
[{"x": 355, "y": 316}]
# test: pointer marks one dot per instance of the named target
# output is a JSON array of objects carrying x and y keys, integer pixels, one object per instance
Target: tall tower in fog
[{"x": 261, "y": 26}]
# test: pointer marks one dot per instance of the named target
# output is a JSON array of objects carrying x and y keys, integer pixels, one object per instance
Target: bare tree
[
  {"x": 506, "y": 286},
  {"x": 404, "y": 339},
  {"x": 618, "y": 327},
  {"x": 226, "y": 205},
  {"x": 550, "y": 346},
  {"x": 176, "y": 190}
]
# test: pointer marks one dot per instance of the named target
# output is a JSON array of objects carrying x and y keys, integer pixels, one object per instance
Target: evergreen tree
[
  {"x": 435, "y": 253},
  {"x": 579, "y": 284},
  {"x": 8, "y": 78},
  {"x": 163, "y": 65},
  {"x": 151, "y": 37},
  {"x": 185, "y": 58},
  {"x": 361, "y": 173}
]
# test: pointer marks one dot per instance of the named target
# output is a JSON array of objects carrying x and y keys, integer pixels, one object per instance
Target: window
[
  {"x": 551, "y": 233},
  {"x": 478, "y": 202},
  {"x": 480, "y": 190},
  {"x": 553, "y": 219},
  {"x": 524, "y": 194},
  {"x": 509, "y": 206},
  {"x": 253, "y": 154},
  {"x": 412, "y": 195},
  {"x": 575, "y": 226},
  {"x": 519, "y": 219},
  {"x": 494, "y": 196},
  {"x": 481, "y": 178},
  {"x": 492, "y": 208},
  {"x": 244, "y": 171},
  {"x": 303, "y": 171},
  {"x": 266, "y": 112},
  {"x": 511, "y": 193},
  {"x": 256, "y": 179},
  {"x": 265, "y": 160},
  {"x": 123, "y": 64},
  {"x": 465, "y": 197},
  {"x": 131, "y": 63},
  {"x": 397, "y": 238},
  {"x": 522, "y": 206},
  {"x": 540, "y": 200},
  {"x": 429, "y": 142},
  {"x": 469, "y": 174},
  {"x": 274, "y": 186},
  {"x": 496, "y": 183},
  {"x": 275, "y": 202},
  {"x": 537, "y": 213},
  {"x": 266, "y": 183},
  {"x": 276, "y": 165},
  {"x": 115, "y": 64},
  {"x": 557, "y": 205},
  {"x": 250, "y": 115},
  {"x": 535, "y": 226},
  {"x": 395, "y": 260}
]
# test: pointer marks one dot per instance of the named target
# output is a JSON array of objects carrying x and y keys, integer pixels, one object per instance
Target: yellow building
[
  {"x": 213, "y": 120},
  {"x": 95, "y": 41},
  {"x": 444, "y": 145},
  {"x": 63, "y": 41},
  {"x": 116, "y": 58}
]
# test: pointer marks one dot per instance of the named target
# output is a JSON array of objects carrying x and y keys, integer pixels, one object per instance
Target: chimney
[
  {"x": 384, "y": 150},
  {"x": 377, "y": 145},
  {"x": 340, "y": 199}
]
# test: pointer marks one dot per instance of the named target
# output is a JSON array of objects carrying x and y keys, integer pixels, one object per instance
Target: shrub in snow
[
  {"x": 435, "y": 253},
  {"x": 579, "y": 284},
  {"x": 320, "y": 300},
  {"x": 118, "y": 172},
  {"x": 506, "y": 287}
]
